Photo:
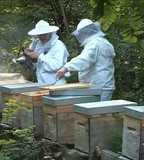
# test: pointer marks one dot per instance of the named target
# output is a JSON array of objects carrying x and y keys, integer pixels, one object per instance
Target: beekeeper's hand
[
  {"x": 60, "y": 74},
  {"x": 31, "y": 53}
]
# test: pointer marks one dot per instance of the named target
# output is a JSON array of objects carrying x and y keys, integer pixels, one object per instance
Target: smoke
[{"x": 8, "y": 66}]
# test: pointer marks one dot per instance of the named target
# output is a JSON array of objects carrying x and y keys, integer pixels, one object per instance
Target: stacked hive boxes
[{"x": 93, "y": 122}]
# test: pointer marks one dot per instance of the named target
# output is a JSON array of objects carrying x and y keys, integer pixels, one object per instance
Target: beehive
[
  {"x": 59, "y": 116},
  {"x": 13, "y": 91},
  {"x": 133, "y": 133},
  {"x": 4, "y": 98},
  {"x": 9, "y": 78},
  {"x": 32, "y": 112},
  {"x": 94, "y": 121}
]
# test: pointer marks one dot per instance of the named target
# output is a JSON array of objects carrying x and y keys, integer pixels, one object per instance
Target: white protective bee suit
[
  {"x": 52, "y": 55},
  {"x": 95, "y": 63}
]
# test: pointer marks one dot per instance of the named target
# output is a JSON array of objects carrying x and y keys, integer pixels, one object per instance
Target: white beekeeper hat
[
  {"x": 42, "y": 27},
  {"x": 87, "y": 24}
]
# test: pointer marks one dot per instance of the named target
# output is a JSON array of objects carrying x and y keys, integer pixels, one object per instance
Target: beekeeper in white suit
[
  {"x": 95, "y": 63},
  {"x": 50, "y": 52}
]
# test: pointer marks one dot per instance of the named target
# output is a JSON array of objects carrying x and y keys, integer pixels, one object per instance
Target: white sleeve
[
  {"x": 55, "y": 58},
  {"x": 83, "y": 61}
]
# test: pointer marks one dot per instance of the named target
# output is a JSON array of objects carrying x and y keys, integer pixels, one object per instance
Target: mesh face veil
[{"x": 84, "y": 33}]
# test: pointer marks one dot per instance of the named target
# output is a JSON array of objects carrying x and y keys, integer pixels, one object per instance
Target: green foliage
[
  {"x": 123, "y": 22},
  {"x": 11, "y": 109},
  {"x": 24, "y": 146},
  {"x": 115, "y": 139},
  {"x": 129, "y": 72},
  {"x": 126, "y": 15},
  {"x": 18, "y": 144}
]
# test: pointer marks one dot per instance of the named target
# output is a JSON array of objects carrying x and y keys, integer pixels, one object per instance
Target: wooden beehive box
[
  {"x": 9, "y": 78},
  {"x": 94, "y": 121},
  {"x": 133, "y": 133},
  {"x": 32, "y": 112},
  {"x": 4, "y": 99},
  {"x": 59, "y": 116},
  {"x": 13, "y": 91}
]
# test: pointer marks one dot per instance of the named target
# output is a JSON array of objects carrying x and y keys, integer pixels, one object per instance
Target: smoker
[{"x": 26, "y": 61}]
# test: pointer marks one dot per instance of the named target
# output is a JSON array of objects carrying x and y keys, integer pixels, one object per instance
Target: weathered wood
[
  {"x": 66, "y": 86},
  {"x": 94, "y": 121},
  {"x": 59, "y": 116},
  {"x": 13, "y": 91},
  {"x": 81, "y": 133},
  {"x": 133, "y": 133},
  {"x": 94, "y": 131},
  {"x": 34, "y": 116},
  {"x": 9, "y": 78},
  {"x": 7, "y": 97},
  {"x": 59, "y": 123}
]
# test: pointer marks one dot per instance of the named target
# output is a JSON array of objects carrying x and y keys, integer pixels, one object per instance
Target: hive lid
[
  {"x": 66, "y": 100},
  {"x": 19, "y": 88},
  {"x": 136, "y": 112},
  {"x": 90, "y": 90},
  {"x": 103, "y": 107}
]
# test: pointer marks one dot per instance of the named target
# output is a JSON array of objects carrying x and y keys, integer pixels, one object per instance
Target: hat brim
[
  {"x": 76, "y": 32},
  {"x": 50, "y": 29}
]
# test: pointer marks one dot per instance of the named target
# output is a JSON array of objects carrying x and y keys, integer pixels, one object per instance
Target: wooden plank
[
  {"x": 33, "y": 100},
  {"x": 59, "y": 123},
  {"x": 38, "y": 120},
  {"x": 36, "y": 93},
  {"x": 65, "y": 128},
  {"x": 26, "y": 118},
  {"x": 66, "y": 86},
  {"x": 65, "y": 108},
  {"x": 33, "y": 97},
  {"x": 81, "y": 132},
  {"x": 131, "y": 138},
  {"x": 92, "y": 131},
  {"x": 33, "y": 116},
  {"x": 100, "y": 128},
  {"x": 141, "y": 152},
  {"x": 7, "y": 97},
  {"x": 49, "y": 109},
  {"x": 50, "y": 123}
]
